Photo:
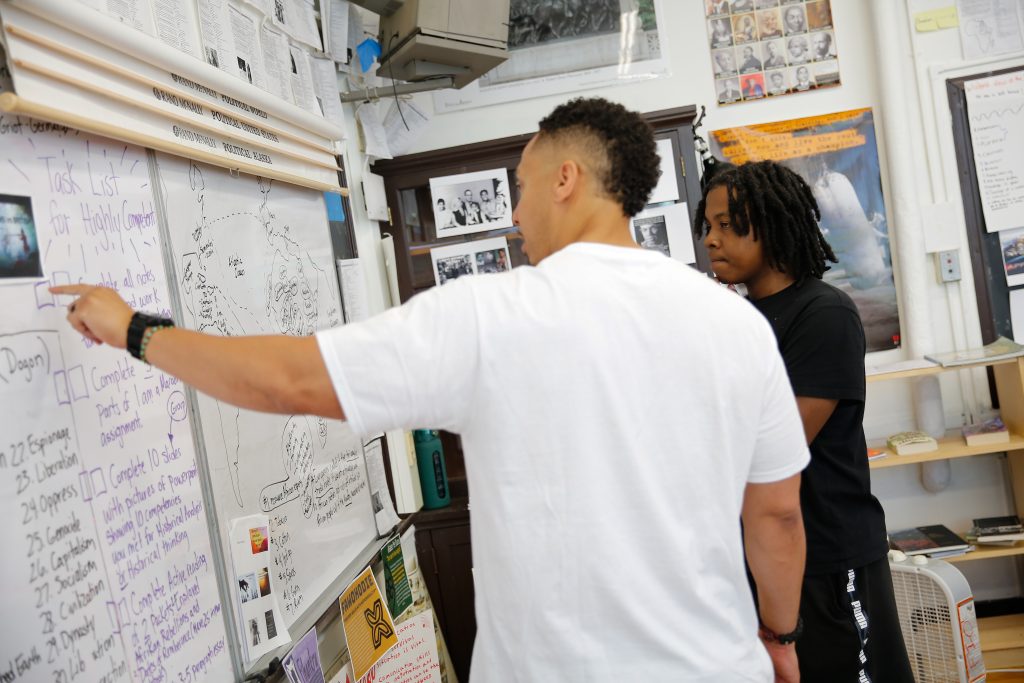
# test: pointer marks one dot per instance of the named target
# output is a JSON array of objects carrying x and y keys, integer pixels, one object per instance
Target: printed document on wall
[
  {"x": 995, "y": 106},
  {"x": 989, "y": 27}
]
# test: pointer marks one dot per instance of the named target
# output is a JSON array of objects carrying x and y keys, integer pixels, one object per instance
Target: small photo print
[
  {"x": 470, "y": 258},
  {"x": 492, "y": 261},
  {"x": 794, "y": 20},
  {"x": 777, "y": 82},
  {"x": 268, "y": 616},
  {"x": 744, "y": 30},
  {"x": 247, "y": 588},
  {"x": 452, "y": 268},
  {"x": 739, "y": 6},
  {"x": 764, "y": 4},
  {"x": 823, "y": 46},
  {"x": 260, "y": 539},
  {"x": 769, "y": 24},
  {"x": 716, "y": 8},
  {"x": 728, "y": 91},
  {"x": 753, "y": 86},
  {"x": 774, "y": 54},
  {"x": 750, "y": 59},
  {"x": 798, "y": 50},
  {"x": 720, "y": 32},
  {"x": 1011, "y": 242},
  {"x": 652, "y": 233},
  {"x": 471, "y": 202},
  {"x": 263, "y": 579},
  {"x": 826, "y": 73},
  {"x": 254, "y": 631},
  {"x": 801, "y": 79},
  {"x": 819, "y": 14},
  {"x": 724, "y": 62},
  {"x": 19, "y": 242}
]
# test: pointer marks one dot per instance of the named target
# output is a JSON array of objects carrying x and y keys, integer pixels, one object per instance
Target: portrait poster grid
[
  {"x": 770, "y": 48},
  {"x": 471, "y": 202},
  {"x": 470, "y": 258},
  {"x": 837, "y": 154}
]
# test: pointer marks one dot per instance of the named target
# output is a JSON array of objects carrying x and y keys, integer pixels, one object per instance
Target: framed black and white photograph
[
  {"x": 559, "y": 47},
  {"x": 481, "y": 257},
  {"x": 471, "y": 202},
  {"x": 666, "y": 230}
]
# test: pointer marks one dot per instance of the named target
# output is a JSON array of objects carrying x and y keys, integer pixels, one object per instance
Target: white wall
[{"x": 950, "y": 320}]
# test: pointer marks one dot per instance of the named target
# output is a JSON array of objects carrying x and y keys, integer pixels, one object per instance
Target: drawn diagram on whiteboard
[{"x": 294, "y": 300}]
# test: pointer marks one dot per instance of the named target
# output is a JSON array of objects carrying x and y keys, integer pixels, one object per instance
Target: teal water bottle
[{"x": 430, "y": 462}]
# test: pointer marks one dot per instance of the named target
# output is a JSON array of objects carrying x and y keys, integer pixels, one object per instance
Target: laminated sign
[{"x": 369, "y": 630}]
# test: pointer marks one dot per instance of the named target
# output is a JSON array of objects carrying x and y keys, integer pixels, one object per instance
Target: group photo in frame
[{"x": 471, "y": 202}]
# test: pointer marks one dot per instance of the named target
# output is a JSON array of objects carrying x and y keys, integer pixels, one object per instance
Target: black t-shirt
[{"x": 822, "y": 343}]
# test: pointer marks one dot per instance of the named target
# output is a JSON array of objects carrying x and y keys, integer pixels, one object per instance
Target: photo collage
[{"x": 768, "y": 48}]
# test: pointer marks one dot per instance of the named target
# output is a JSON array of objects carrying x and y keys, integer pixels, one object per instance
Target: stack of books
[
  {"x": 934, "y": 541},
  {"x": 997, "y": 530},
  {"x": 987, "y": 432}
]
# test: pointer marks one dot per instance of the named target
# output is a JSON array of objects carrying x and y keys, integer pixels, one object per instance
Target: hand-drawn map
[{"x": 252, "y": 257}]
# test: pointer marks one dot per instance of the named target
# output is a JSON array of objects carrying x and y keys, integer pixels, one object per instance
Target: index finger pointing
[{"x": 77, "y": 290}]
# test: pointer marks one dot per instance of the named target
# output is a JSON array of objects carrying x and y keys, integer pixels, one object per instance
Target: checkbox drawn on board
[
  {"x": 79, "y": 388},
  {"x": 118, "y": 615},
  {"x": 44, "y": 299},
  {"x": 60, "y": 383}
]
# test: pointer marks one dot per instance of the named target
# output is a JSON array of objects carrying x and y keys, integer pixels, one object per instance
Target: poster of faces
[
  {"x": 471, "y": 202},
  {"x": 768, "y": 48}
]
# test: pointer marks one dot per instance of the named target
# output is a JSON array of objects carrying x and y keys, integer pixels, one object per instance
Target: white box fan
[{"x": 936, "y": 609}]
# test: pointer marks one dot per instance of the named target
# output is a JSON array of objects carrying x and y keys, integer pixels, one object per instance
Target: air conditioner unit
[
  {"x": 940, "y": 629},
  {"x": 427, "y": 39}
]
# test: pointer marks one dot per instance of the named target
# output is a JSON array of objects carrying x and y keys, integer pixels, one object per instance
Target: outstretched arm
[
  {"x": 773, "y": 532},
  {"x": 273, "y": 374}
]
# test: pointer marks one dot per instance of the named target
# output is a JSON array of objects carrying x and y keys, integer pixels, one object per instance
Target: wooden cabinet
[
  {"x": 1002, "y": 637},
  {"x": 445, "y": 556}
]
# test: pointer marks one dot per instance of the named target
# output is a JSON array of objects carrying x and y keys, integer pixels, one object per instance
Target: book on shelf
[
  {"x": 1001, "y": 349},
  {"x": 987, "y": 432},
  {"x": 927, "y": 540},
  {"x": 910, "y": 443},
  {"x": 1006, "y": 524},
  {"x": 876, "y": 453}
]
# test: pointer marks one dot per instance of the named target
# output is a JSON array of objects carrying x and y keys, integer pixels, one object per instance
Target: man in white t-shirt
[{"x": 620, "y": 413}]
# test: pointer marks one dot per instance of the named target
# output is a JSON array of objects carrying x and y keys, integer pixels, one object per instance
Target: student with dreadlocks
[{"x": 761, "y": 229}]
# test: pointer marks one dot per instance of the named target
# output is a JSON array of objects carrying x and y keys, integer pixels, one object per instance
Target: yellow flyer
[{"x": 369, "y": 630}]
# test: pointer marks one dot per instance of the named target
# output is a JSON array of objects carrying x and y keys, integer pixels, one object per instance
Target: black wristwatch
[
  {"x": 137, "y": 329},
  {"x": 771, "y": 636}
]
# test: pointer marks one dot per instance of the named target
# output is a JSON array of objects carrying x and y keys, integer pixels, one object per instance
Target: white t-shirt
[{"x": 613, "y": 404}]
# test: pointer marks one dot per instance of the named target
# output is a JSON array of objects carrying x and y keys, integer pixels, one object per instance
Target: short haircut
[
  {"x": 778, "y": 207},
  {"x": 617, "y": 143}
]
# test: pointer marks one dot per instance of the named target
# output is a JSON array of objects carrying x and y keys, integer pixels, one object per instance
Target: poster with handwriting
[
  {"x": 107, "y": 571},
  {"x": 995, "y": 106},
  {"x": 254, "y": 256}
]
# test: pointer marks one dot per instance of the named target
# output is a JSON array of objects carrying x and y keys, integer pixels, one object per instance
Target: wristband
[
  {"x": 139, "y": 329},
  {"x": 770, "y": 636}
]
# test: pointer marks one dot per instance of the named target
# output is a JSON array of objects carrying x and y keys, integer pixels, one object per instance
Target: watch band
[
  {"x": 140, "y": 322},
  {"x": 771, "y": 636}
]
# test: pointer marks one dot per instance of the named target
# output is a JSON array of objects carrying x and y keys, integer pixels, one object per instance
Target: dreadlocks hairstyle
[
  {"x": 619, "y": 141},
  {"x": 777, "y": 205}
]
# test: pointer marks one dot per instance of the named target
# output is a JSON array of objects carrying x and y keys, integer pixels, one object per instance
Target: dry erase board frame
[
  {"x": 990, "y": 286},
  {"x": 316, "y": 605}
]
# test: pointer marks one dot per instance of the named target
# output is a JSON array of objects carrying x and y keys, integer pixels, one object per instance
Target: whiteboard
[
  {"x": 254, "y": 256},
  {"x": 995, "y": 106},
  {"x": 107, "y": 571}
]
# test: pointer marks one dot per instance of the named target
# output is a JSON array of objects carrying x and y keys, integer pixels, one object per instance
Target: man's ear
[{"x": 568, "y": 180}]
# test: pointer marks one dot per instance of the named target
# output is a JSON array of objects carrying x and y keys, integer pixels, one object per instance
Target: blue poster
[{"x": 19, "y": 246}]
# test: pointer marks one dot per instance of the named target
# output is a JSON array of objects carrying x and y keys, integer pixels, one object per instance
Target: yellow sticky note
[
  {"x": 933, "y": 20},
  {"x": 369, "y": 630}
]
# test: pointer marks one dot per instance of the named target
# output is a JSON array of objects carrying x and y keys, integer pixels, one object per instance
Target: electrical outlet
[{"x": 949, "y": 265}]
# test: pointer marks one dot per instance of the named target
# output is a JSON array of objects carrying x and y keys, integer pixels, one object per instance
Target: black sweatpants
[{"x": 851, "y": 628}]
